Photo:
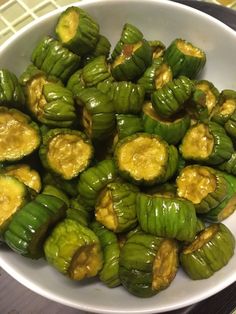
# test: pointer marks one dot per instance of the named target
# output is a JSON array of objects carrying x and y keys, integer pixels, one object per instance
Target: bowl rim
[{"x": 50, "y": 294}]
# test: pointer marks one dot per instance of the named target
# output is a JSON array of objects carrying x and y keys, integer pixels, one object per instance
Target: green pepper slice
[
  {"x": 172, "y": 129},
  {"x": 168, "y": 217},
  {"x": 148, "y": 264},
  {"x": 128, "y": 124},
  {"x": 207, "y": 143},
  {"x": 77, "y": 30},
  {"x": 11, "y": 92},
  {"x": 109, "y": 274},
  {"x": 146, "y": 159},
  {"x": 66, "y": 152},
  {"x": 74, "y": 250},
  {"x": 29, "y": 226},
  {"x": 115, "y": 207},
  {"x": 185, "y": 58},
  {"x": 209, "y": 252}
]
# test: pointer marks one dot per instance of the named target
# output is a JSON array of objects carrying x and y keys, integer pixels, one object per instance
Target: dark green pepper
[
  {"x": 78, "y": 210},
  {"x": 109, "y": 274},
  {"x": 207, "y": 143},
  {"x": 168, "y": 217},
  {"x": 155, "y": 76},
  {"x": 185, "y": 58},
  {"x": 98, "y": 115},
  {"x": 52, "y": 57},
  {"x": 127, "y": 97},
  {"x": 77, "y": 30},
  {"x": 29, "y": 227},
  {"x": 170, "y": 99},
  {"x": 11, "y": 93},
  {"x": 115, "y": 207},
  {"x": 102, "y": 48},
  {"x": 148, "y": 264},
  {"x": 209, "y": 252},
  {"x": 74, "y": 250},
  {"x": 170, "y": 129},
  {"x": 128, "y": 124},
  {"x": 94, "y": 179}
]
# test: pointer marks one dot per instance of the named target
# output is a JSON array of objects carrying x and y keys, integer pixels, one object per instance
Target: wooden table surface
[{"x": 16, "y": 299}]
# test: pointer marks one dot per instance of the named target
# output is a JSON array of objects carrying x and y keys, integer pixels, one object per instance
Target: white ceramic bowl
[{"x": 162, "y": 20}]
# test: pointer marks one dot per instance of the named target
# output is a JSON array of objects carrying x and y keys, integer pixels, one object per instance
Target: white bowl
[{"x": 162, "y": 20}]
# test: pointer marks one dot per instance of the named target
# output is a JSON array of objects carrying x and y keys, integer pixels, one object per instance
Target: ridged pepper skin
[
  {"x": 81, "y": 212},
  {"x": 75, "y": 83},
  {"x": 143, "y": 264},
  {"x": 228, "y": 206},
  {"x": 109, "y": 274},
  {"x": 11, "y": 92},
  {"x": 74, "y": 250},
  {"x": 21, "y": 136},
  {"x": 132, "y": 62},
  {"x": 130, "y": 35},
  {"x": 185, "y": 58},
  {"x": 229, "y": 165},
  {"x": 94, "y": 179},
  {"x": 95, "y": 71},
  {"x": 52, "y": 57},
  {"x": 136, "y": 155},
  {"x": 170, "y": 99},
  {"x": 128, "y": 124},
  {"x": 172, "y": 130},
  {"x": 204, "y": 100},
  {"x": 116, "y": 207},
  {"x": 67, "y": 186},
  {"x": 217, "y": 145},
  {"x": 102, "y": 48},
  {"x": 54, "y": 191},
  {"x": 77, "y": 30},
  {"x": 209, "y": 252},
  {"x": 98, "y": 113},
  {"x": 54, "y": 104},
  {"x": 29, "y": 227},
  {"x": 155, "y": 76},
  {"x": 225, "y": 114},
  {"x": 204, "y": 186},
  {"x": 127, "y": 97},
  {"x": 70, "y": 162},
  {"x": 168, "y": 217}
]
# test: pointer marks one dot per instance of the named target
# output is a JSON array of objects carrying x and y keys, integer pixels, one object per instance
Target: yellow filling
[
  {"x": 165, "y": 265},
  {"x": 195, "y": 183},
  {"x": 126, "y": 53},
  {"x": 86, "y": 262},
  {"x": 17, "y": 137},
  {"x": 188, "y": 49},
  {"x": 11, "y": 196},
  {"x": 198, "y": 142},
  {"x": 26, "y": 175},
  {"x": 202, "y": 238},
  {"x": 162, "y": 76},
  {"x": 143, "y": 157},
  {"x": 210, "y": 97},
  {"x": 68, "y": 26},
  {"x": 37, "y": 100},
  {"x": 149, "y": 111},
  {"x": 104, "y": 211},
  {"x": 228, "y": 107},
  {"x": 68, "y": 154}
]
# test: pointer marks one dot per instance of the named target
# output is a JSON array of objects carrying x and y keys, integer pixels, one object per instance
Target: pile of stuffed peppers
[{"x": 117, "y": 162}]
